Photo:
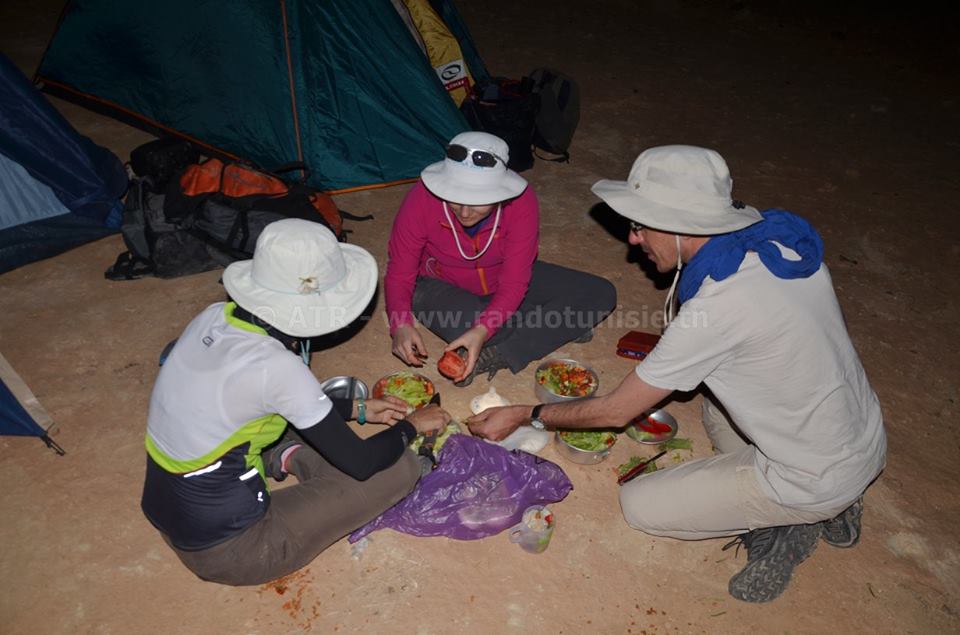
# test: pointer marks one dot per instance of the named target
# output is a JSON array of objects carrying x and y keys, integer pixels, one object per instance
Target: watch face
[{"x": 536, "y": 423}]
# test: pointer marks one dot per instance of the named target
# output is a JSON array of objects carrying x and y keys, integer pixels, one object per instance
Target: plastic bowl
[
  {"x": 545, "y": 395},
  {"x": 583, "y": 457},
  {"x": 660, "y": 416},
  {"x": 378, "y": 387}
]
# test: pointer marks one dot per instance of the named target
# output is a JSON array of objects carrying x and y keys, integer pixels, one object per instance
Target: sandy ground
[{"x": 848, "y": 120}]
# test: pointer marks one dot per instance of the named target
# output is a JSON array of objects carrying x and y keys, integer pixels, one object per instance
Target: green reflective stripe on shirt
[
  {"x": 259, "y": 433},
  {"x": 237, "y": 322}
]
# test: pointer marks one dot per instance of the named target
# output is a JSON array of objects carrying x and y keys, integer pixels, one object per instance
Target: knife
[{"x": 637, "y": 469}]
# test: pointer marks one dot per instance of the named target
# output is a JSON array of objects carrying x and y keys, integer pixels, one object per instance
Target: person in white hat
[
  {"x": 222, "y": 403},
  {"x": 463, "y": 262},
  {"x": 797, "y": 429}
]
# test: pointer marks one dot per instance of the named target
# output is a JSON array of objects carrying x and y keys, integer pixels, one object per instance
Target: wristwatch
[{"x": 535, "y": 420}]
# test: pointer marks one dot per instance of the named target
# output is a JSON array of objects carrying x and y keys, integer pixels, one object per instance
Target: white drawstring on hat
[
  {"x": 496, "y": 222},
  {"x": 669, "y": 306}
]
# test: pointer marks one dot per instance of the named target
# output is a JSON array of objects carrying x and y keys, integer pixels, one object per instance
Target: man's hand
[
  {"x": 408, "y": 345},
  {"x": 496, "y": 424},
  {"x": 473, "y": 340},
  {"x": 387, "y": 410},
  {"x": 429, "y": 418}
]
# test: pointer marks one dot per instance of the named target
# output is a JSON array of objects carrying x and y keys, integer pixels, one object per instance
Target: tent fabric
[
  {"x": 24, "y": 198},
  {"x": 57, "y": 188},
  {"x": 14, "y": 419},
  {"x": 20, "y": 410},
  {"x": 88, "y": 179},
  {"x": 442, "y": 49},
  {"x": 454, "y": 21},
  {"x": 338, "y": 84}
]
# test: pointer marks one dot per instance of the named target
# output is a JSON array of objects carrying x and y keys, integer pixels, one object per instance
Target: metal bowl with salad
[
  {"x": 559, "y": 380},
  {"x": 413, "y": 388},
  {"x": 585, "y": 446}
]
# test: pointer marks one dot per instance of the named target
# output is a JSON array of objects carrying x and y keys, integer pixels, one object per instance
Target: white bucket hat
[
  {"x": 469, "y": 183},
  {"x": 679, "y": 189},
  {"x": 301, "y": 280}
]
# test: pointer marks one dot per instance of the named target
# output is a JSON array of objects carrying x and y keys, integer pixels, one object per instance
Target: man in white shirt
[{"x": 760, "y": 327}]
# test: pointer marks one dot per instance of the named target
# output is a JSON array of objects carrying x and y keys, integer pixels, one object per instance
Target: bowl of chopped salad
[
  {"x": 413, "y": 388},
  {"x": 558, "y": 380},
  {"x": 586, "y": 447}
]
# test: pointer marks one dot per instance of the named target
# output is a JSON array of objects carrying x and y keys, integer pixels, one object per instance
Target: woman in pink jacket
[{"x": 463, "y": 263}]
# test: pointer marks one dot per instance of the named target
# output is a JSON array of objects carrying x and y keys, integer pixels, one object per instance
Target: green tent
[{"x": 340, "y": 85}]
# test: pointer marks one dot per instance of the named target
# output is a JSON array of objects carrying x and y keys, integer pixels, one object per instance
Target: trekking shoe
[
  {"x": 277, "y": 458},
  {"x": 772, "y": 555},
  {"x": 489, "y": 361},
  {"x": 844, "y": 530}
]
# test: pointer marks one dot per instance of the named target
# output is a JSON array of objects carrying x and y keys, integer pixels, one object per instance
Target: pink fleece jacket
[{"x": 421, "y": 243}]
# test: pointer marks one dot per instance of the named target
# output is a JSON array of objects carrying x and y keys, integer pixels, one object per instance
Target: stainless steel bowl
[
  {"x": 661, "y": 416},
  {"x": 544, "y": 395},
  {"x": 584, "y": 457},
  {"x": 345, "y": 387}
]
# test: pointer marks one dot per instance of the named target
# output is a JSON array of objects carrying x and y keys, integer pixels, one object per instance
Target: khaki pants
[
  {"x": 712, "y": 497},
  {"x": 303, "y": 520}
]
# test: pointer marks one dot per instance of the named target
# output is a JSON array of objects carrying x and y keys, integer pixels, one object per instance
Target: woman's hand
[
  {"x": 429, "y": 418},
  {"x": 473, "y": 340},
  {"x": 496, "y": 424},
  {"x": 387, "y": 410},
  {"x": 408, "y": 345}
]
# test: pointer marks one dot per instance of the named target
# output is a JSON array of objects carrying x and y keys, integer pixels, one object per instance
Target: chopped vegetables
[
  {"x": 634, "y": 462},
  {"x": 677, "y": 443},
  {"x": 452, "y": 428},
  {"x": 589, "y": 441},
  {"x": 415, "y": 389},
  {"x": 567, "y": 380}
]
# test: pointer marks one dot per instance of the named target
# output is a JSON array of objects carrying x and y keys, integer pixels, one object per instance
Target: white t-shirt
[
  {"x": 777, "y": 355},
  {"x": 220, "y": 377}
]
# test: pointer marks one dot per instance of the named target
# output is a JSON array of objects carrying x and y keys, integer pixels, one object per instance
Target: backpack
[
  {"x": 505, "y": 108},
  {"x": 155, "y": 246},
  {"x": 209, "y": 217},
  {"x": 558, "y": 114},
  {"x": 162, "y": 159}
]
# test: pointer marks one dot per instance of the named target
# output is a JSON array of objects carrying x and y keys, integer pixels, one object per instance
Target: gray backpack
[{"x": 559, "y": 112}]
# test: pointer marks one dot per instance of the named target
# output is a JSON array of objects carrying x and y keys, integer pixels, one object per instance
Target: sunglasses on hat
[
  {"x": 480, "y": 158},
  {"x": 635, "y": 227}
]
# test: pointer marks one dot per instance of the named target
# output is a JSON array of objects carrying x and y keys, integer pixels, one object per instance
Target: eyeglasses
[
  {"x": 635, "y": 227},
  {"x": 480, "y": 158}
]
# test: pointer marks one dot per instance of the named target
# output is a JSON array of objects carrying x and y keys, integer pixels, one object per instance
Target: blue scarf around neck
[{"x": 721, "y": 256}]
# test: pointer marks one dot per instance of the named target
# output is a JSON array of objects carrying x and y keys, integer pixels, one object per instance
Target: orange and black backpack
[{"x": 210, "y": 216}]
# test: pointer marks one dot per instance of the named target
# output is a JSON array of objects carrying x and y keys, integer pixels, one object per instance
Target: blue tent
[
  {"x": 16, "y": 404},
  {"x": 57, "y": 188},
  {"x": 339, "y": 85}
]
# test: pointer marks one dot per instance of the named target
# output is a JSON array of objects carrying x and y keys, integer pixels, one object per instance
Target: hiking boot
[
  {"x": 844, "y": 530},
  {"x": 489, "y": 361},
  {"x": 277, "y": 457},
  {"x": 772, "y": 555}
]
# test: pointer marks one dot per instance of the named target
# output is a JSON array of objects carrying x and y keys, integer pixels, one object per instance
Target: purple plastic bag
[{"x": 478, "y": 490}]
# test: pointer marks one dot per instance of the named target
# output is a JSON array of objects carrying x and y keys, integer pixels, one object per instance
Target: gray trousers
[
  {"x": 303, "y": 520},
  {"x": 711, "y": 497},
  {"x": 561, "y": 305}
]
